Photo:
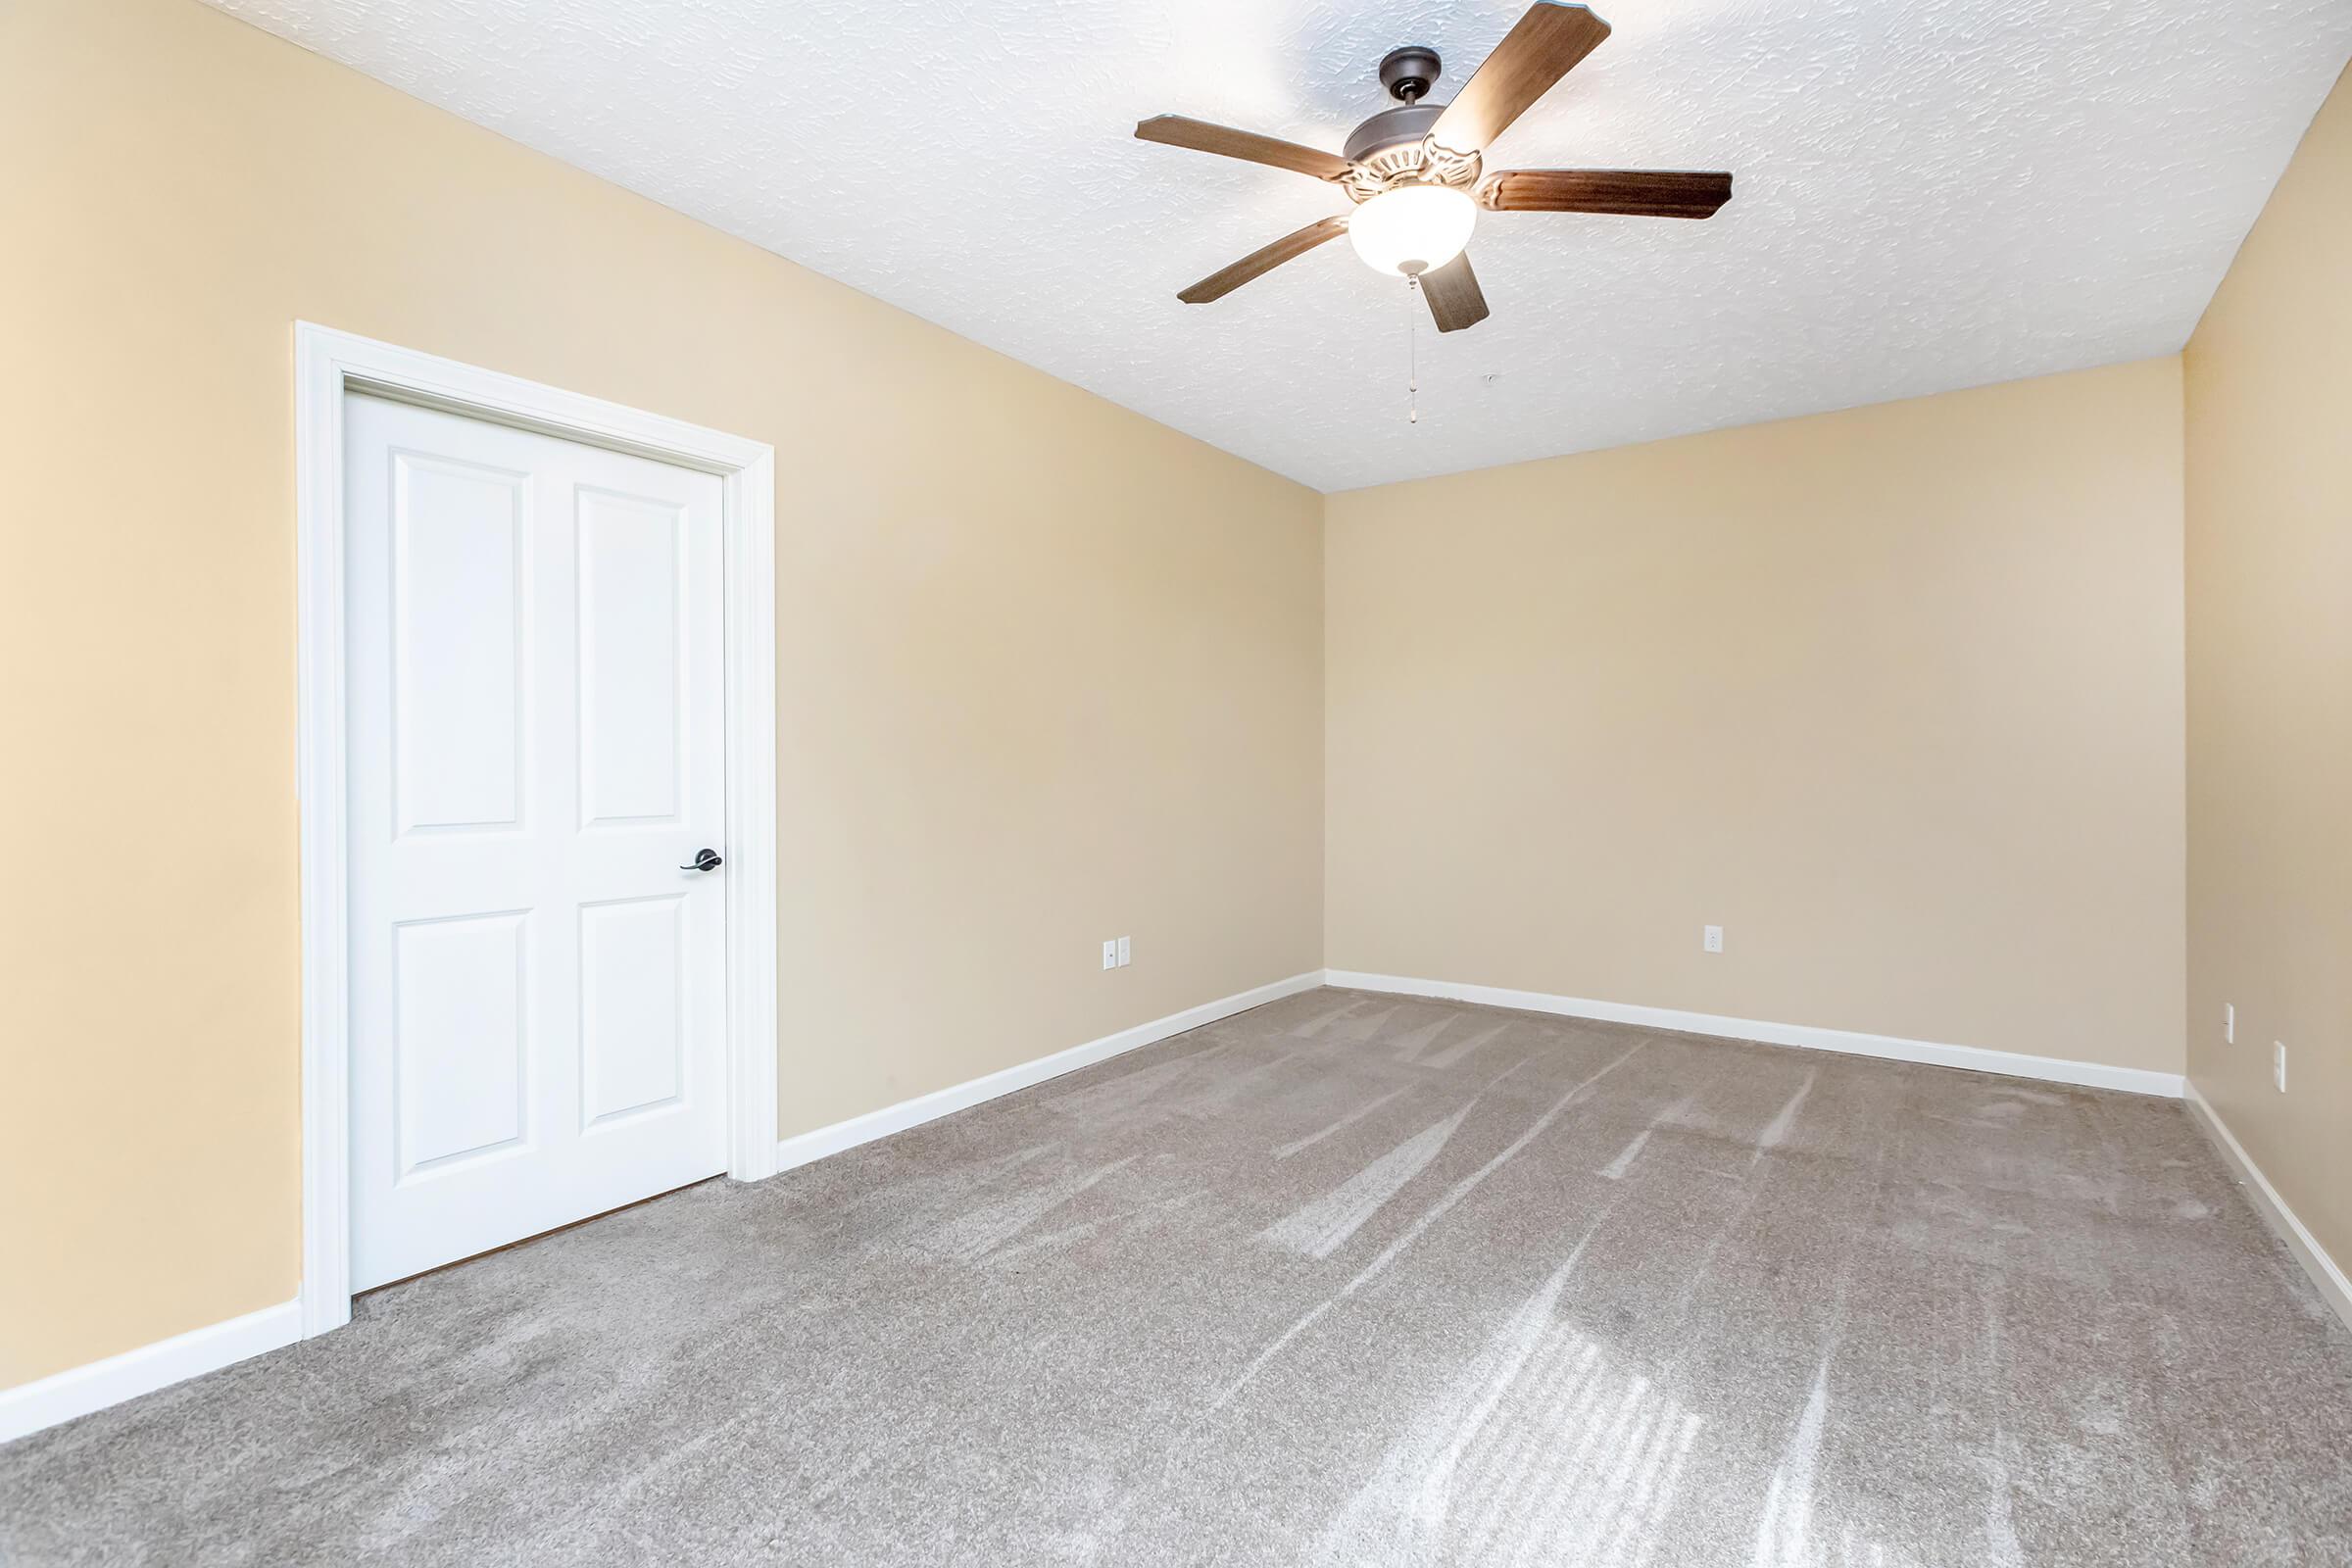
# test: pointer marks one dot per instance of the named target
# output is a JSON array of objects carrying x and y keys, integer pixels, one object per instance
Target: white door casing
[
  {"x": 537, "y": 753},
  {"x": 677, "y": 988}
]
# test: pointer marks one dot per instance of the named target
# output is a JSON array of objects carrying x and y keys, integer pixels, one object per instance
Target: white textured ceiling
[{"x": 1930, "y": 193}]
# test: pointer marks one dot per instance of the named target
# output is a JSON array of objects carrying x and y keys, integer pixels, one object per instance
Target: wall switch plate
[
  {"x": 1110, "y": 953},
  {"x": 1123, "y": 953},
  {"x": 2278, "y": 1064},
  {"x": 1712, "y": 939},
  {"x": 2228, "y": 1023}
]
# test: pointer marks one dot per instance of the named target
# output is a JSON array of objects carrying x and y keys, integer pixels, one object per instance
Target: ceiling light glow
[{"x": 1412, "y": 229}]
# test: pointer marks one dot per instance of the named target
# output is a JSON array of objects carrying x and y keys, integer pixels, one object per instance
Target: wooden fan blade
[
  {"x": 1454, "y": 297},
  {"x": 1216, "y": 285},
  {"x": 1637, "y": 192},
  {"x": 1543, "y": 47},
  {"x": 1226, "y": 142}
]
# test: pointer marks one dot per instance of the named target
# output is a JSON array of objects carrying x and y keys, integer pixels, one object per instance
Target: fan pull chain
[{"x": 1413, "y": 350}]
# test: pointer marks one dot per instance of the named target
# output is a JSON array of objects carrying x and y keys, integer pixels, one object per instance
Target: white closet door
[{"x": 537, "y": 990}]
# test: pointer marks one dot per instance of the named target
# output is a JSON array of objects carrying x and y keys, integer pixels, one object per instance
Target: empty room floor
[{"x": 1344, "y": 1279}]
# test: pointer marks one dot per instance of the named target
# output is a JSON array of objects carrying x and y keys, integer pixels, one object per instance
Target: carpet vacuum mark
[{"x": 1344, "y": 1280}]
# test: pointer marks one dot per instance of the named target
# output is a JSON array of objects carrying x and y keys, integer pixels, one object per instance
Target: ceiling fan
[{"x": 1417, "y": 172}]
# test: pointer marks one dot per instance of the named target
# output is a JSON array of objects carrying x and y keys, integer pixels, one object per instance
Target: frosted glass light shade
[{"x": 1413, "y": 228}]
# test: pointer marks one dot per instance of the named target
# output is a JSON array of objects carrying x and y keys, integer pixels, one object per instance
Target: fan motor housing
[
  {"x": 1404, "y": 124},
  {"x": 1392, "y": 148}
]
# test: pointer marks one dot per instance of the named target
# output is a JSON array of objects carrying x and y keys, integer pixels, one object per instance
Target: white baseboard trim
[
  {"x": 1974, "y": 1058},
  {"x": 2332, "y": 1286},
  {"x": 29, "y": 1406},
  {"x": 803, "y": 1147}
]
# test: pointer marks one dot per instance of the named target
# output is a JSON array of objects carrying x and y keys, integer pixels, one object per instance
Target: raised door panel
[
  {"x": 461, "y": 1040},
  {"x": 460, "y": 561},
  {"x": 632, "y": 1007},
  {"x": 631, "y": 708}
]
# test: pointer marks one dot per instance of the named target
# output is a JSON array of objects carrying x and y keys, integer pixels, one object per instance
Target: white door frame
[{"x": 328, "y": 363}]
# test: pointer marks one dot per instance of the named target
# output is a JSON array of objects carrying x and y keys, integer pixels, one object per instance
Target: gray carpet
[{"x": 1348, "y": 1279}]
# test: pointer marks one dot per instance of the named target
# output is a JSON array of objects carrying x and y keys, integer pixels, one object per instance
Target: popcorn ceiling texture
[{"x": 1930, "y": 194}]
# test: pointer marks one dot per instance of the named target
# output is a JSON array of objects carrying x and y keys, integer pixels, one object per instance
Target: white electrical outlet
[
  {"x": 1123, "y": 953},
  {"x": 1712, "y": 940},
  {"x": 2228, "y": 1023},
  {"x": 1110, "y": 953},
  {"x": 2278, "y": 1064}
]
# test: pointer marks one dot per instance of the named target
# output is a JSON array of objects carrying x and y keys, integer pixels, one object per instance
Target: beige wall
[
  {"x": 2270, "y": 684},
  {"x": 1892, "y": 695},
  {"x": 1048, "y": 672}
]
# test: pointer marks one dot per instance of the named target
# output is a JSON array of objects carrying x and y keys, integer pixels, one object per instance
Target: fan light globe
[{"x": 1413, "y": 228}]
